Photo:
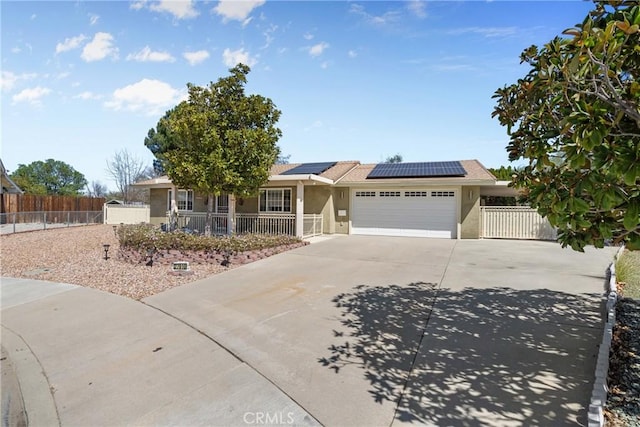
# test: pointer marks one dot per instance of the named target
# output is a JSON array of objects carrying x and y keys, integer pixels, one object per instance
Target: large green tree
[
  {"x": 218, "y": 141},
  {"x": 576, "y": 118},
  {"x": 52, "y": 177}
]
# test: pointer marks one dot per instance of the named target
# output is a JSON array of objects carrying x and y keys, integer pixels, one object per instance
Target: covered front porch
[{"x": 279, "y": 208}]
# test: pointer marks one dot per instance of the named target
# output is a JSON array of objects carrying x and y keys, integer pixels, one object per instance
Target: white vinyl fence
[
  {"x": 514, "y": 222},
  {"x": 126, "y": 214}
]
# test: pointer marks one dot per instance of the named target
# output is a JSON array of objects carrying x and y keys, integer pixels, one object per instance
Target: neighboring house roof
[
  {"x": 475, "y": 174},
  {"x": 7, "y": 184}
]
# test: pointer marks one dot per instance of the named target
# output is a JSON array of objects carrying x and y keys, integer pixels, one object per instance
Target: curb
[
  {"x": 39, "y": 404},
  {"x": 600, "y": 389}
]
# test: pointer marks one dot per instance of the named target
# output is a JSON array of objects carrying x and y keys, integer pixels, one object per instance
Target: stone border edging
[
  {"x": 600, "y": 389},
  {"x": 168, "y": 256}
]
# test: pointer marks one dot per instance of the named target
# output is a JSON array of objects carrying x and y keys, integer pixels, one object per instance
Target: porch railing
[
  {"x": 267, "y": 224},
  {"x": 312, "y": 225},
  {"x": 195, "y": 222},
  {"x": 244, "y": 223}
]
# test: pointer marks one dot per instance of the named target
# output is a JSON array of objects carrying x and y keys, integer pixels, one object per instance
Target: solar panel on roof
[
  {"x": 417, "y": 170},
  {"x": 309, "y": 168}
]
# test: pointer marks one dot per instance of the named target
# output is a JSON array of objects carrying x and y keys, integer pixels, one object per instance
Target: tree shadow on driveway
[{"x": 496, "y": 356}]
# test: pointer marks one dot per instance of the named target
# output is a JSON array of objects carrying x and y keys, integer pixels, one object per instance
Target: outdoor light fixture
[
  {"x": 106, "y": 250},
  {"x": 150, "y": 253}
]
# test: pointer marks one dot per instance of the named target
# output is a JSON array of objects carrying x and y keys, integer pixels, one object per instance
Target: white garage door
[{"x": 411, "y": 212}]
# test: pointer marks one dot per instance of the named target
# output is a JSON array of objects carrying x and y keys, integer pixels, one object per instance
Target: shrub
[
  {"x": 628, "y": 272},
  {"x": 145, "y": 237}
]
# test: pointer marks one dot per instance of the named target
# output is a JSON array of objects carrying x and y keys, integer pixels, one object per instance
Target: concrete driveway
[
  {"x": 355, "y": 330},
  {"x": 365, "y": 330}
]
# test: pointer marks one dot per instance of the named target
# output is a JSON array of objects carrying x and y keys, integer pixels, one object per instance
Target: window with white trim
[
  {"x": 222, "y": 203},
  {"x": 365, "y": 194},
  {"x": 442, "y": 194},
  {"x": 184, "y": 200},
  {"x": 275, "y": 200}
]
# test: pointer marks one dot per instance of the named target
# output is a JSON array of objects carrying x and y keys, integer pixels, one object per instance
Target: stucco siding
[
  {"x": 158, "y": 205},
  {"x": 247, "y": 205},
  {"x": 341, "y": 197},
  {"x": 470, "y": 212},
  {"x": 317, "y": 200}
]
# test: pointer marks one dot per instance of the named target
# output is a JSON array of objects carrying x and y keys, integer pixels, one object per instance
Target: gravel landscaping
[
  {"x": 76, "y": 255},
  {"x": 623, "y": 401}
]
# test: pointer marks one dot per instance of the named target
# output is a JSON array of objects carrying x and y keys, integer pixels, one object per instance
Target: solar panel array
[
  {"x": 417, "y": 170},
  {"x": 309, "y": 168}
]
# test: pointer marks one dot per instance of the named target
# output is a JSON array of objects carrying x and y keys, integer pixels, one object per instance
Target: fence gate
[{"x": 514, "y": 222}]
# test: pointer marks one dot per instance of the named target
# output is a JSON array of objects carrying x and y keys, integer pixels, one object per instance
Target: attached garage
[{"x": 404, "y": 212}]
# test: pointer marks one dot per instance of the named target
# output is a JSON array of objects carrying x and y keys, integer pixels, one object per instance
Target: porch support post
[
  {"x": 173, "y": 209},
  {"x": 299, "y": 209},
  {"x": 231, "y": 215}
]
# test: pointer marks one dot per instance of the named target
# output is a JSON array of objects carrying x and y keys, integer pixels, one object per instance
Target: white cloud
[
  {"x": 86, "y": 95},
  {"x": 138, "y": 4},
  {"x": 150, "y": 97},
  {"x": 99, "y": 48},
  {"x": 63, "y": 75},
  {"x": 324, "y": 65},
  {"x": 378, "y": 20},
  {"x": 93, "y": 18},
  {"x": 70, "y": 43},
  {"x": 418, "y": 8},
  {"x": 315, "y": 125},
  {"x": 486, "y": 31},
  {"x": 234, "y": 10},
  {"x": 32, "y": 96},
  {"x": 16, "y": 49},
  {"x": 181, "y": 9},
  {"x": 147, "y": 55},
  {"x": 317, "y": 49},
  {"x": 268, "y": 35},
  {"x": 308, "y": 36},
  {"x": 8, "y": 79},
  {"x": 352, "y": 54},
  {"x": 194, "y": 58},
  {"x": 231, "y": 58}
]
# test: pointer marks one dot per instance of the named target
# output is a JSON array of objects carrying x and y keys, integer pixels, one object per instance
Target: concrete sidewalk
[{"x": 88, "y": 358}]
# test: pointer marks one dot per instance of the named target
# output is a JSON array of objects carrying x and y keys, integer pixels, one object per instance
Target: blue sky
[{"x": 355, "y": 80}]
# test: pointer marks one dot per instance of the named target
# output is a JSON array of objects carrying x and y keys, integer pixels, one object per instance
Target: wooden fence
[{"x": 14, "y": 203}]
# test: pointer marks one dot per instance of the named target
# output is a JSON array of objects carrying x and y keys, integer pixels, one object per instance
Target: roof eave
[
  {"x": 301, "y": 177},
  {"x": 419, "y": 182}
]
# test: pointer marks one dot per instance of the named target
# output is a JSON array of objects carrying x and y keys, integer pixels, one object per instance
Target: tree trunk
[{"x": 209, "y": 217}]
